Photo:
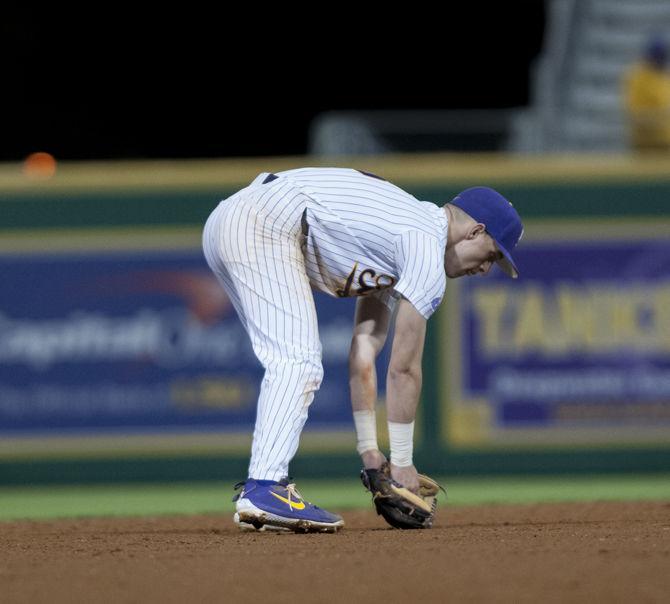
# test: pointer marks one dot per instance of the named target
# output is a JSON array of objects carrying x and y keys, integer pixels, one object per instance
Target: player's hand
[
  {"x": 373, "y": 459},
  {"x": 406, "y": 476}
]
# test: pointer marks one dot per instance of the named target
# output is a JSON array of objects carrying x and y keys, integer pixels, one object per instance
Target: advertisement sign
[
  {"x": 577, "y": 350},
  {"x": 131, "y": 340}
]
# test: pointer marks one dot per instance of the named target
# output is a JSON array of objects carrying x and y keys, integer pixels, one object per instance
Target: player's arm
[
  {"x": 403, "y": 387},
  {"x": 371, "y": 325}
]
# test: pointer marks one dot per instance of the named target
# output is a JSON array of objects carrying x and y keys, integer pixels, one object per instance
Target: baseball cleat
[
  {"x": 267, "y": 505},
  {"x": 247, "y": 526}
]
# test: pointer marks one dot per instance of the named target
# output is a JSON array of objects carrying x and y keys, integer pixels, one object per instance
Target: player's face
[{"x": 474, "y": 255}]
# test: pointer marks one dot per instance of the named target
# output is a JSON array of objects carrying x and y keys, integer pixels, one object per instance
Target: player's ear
[{"x": 476, "y": 230}]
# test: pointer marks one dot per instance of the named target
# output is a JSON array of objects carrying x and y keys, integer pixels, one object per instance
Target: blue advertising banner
[
  {"x": 128, "y": 340},
  {"x": 575, "y": 351}
]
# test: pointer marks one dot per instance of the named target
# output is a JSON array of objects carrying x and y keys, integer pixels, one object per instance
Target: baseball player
[{"x": 346, "y": 233}]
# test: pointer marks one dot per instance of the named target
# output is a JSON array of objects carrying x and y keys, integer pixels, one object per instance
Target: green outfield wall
[{"x": 603, "y": 325}]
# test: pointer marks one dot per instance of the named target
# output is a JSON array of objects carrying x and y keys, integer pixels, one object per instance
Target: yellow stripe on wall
[{"x": 405, "y": 168}]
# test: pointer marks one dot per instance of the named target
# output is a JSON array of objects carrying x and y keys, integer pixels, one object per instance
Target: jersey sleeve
[{"x": 420, "y": 260}]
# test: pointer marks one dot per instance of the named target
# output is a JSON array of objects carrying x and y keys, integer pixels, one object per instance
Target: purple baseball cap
[{"x": 498, "y": 215}]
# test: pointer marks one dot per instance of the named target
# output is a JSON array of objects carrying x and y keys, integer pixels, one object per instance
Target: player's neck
[
  {"x": 450, "y": 223},
  {"x": 456, "y": 229}
]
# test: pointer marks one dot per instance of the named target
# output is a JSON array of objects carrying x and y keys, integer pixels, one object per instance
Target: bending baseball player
[{"x": 347, "y": 233}]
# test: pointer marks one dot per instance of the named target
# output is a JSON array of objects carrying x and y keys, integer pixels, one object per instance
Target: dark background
[{"x": 109, "y": 83}]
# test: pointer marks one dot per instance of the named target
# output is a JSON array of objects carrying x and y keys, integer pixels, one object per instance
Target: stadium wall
[{"x": 120, "y": 360}]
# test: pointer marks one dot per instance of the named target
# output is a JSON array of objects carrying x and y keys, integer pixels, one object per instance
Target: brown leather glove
[{"x": 398, "y": 505}]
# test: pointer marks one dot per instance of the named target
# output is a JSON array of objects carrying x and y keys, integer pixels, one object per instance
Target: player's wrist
[
  {"x": 373, "y": 459},
  {"x": 366, "y": 430},
  {"x": 401, "y": 438}
]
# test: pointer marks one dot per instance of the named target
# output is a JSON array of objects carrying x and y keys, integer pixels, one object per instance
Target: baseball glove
[{"x": 398, "y": 505}]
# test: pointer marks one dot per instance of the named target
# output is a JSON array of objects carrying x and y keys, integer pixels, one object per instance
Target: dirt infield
[{"x": 598, "y": 552}]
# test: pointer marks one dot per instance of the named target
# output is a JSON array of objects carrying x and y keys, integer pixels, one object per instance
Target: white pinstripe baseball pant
[{"x": 252, "y": 242}]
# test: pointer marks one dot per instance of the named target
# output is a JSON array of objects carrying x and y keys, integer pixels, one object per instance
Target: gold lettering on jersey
[
  {"x": 363, "y": 287},
  {"x": 368, "y": 281},
  {"x": 344, "y": 292}
]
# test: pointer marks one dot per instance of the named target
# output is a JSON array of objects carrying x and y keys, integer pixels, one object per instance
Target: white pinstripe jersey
[{"x": 369, "y": 237}]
